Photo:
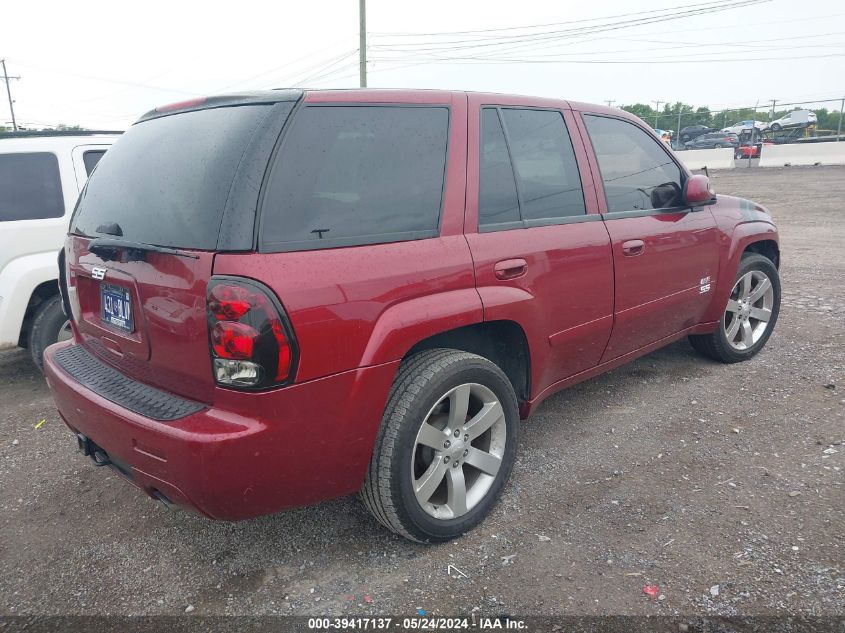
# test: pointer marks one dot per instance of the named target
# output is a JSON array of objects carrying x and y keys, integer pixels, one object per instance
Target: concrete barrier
[
  {"x": 803, "y": 154},
  {"x": 722, "y": 158}
]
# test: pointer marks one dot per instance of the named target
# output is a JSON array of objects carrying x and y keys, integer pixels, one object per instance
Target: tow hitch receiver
[{"x": 90, "y": 449}]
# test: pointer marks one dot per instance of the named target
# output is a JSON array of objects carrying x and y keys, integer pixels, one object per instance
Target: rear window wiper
[{"x": 107, "y": 248}]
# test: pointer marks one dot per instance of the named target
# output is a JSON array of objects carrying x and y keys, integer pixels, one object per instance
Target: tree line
[{"x": 667, "y": 118}]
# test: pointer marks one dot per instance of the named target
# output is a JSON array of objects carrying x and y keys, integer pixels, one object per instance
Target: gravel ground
[{"x": 723, "y": 485}]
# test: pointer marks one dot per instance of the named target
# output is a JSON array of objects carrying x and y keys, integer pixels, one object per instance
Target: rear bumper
[{"x": 250, "y": 453}]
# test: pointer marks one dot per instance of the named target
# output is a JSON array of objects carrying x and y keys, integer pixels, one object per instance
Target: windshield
[{"x": 166, "y": 181}]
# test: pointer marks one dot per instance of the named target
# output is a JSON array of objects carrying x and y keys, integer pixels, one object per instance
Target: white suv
[{"x": 41, "y": 175}]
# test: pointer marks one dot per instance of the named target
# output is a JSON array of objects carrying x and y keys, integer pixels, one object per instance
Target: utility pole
[
  {"x": 610, "y": 102},
  {"x": 656, "y": 111},
  {"x": 839, "y": 129},
  {"x": 772, "y": 117},
  {"x": 362, "y": 42},
  {"x": 7, "y": 79}
]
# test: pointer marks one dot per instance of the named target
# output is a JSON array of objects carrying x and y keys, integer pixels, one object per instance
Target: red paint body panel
[
  {"x": 589, "y": 295},
  {"x": 169, "y": 345},
  {"x": 364, "y": 305},
  {"x": 251, "y": 453},
  {"x": 658, "y": 290},
  {"x": 569, "y": 270}
]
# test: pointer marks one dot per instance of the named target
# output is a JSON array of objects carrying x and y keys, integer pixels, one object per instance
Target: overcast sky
[{"x": 101, "y": 65}]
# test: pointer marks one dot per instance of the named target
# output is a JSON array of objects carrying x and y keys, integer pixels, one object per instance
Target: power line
[
  {"x": 619, "y": 61},
  {"x": 526, "y": 47},
  {"x": 531, "y": 38},
  {"x": 563, "y": 56},
  {"x": 324, "y": 69},
  {"x": 104, "y": 79},
  {"x": 533, "y": 26},
  {"x": 285, "y": 65}
]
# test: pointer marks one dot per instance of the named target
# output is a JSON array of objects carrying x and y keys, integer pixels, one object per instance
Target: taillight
[
  {"x": 251, "y": 341},
  {"x": 67, "y": 287}
]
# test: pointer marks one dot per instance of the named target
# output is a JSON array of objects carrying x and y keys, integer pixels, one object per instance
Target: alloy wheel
[
  {"x": 65, "y": 333},
  {"x": 749, "y": 310},
  {"x": 458, "y": 451}
]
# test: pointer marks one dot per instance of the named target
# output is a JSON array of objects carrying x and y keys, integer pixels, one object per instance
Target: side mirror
[{"x": 698, "y": 191}]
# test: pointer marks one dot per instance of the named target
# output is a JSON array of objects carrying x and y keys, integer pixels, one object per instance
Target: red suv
[{"x": 281, "y": 297}]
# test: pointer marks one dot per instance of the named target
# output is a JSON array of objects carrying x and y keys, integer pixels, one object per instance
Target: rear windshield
[{"x": 166, "y": 180}]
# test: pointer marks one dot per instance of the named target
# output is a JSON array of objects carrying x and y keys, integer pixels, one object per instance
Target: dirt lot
[{"x": 721, "y": 484}]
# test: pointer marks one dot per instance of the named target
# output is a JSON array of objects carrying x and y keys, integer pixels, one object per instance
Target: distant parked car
[
  {"x": 745, "y": 125},
  {"x": 714, "y": 140},
  {"x": 41, "y": 174},
  {"x": 793, "y": 119},
  {"x": 693, "y": 131}
]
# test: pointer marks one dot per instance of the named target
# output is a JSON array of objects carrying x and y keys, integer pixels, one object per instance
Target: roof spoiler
[{"x": 223, "y": 101}]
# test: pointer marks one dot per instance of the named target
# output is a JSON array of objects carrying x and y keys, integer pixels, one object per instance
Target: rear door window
[
  {"x": 638, "y": 173},
  {"x": 542, "y": 152},
  {"x": 528, "y": 174},
  {"x": 498, "y": 203},
  {"x": 352, "y": 175},
  {"x": 30, "y": 187}
]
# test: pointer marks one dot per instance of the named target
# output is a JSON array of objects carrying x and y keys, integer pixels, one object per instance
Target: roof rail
[{"x": 29, "y": 133}]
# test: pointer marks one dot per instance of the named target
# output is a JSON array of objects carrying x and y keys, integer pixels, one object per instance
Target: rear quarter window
[
  {"x": 30, "y": 187},
  {"x": 352, "y": 175}
]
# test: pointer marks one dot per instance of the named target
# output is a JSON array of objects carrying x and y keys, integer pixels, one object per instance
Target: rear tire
[
  {"x": 428, "y": 448},
  {"x": 741, "y": 334},
  {"x": 49, "y": 326}
]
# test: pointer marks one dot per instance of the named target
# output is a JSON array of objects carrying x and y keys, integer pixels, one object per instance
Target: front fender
[
  {"x": 405, "y": 324},
  {"x": 743, "y": 235},
  {"x": 18, "y": 280}
]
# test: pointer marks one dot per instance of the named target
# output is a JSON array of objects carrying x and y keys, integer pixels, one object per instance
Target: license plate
[{"x": 116, "y": 303}]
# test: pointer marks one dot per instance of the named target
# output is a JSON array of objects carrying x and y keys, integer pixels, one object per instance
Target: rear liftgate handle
[
  {"x": 632, "y": 248},
  {"x": 510, "y": 269}
]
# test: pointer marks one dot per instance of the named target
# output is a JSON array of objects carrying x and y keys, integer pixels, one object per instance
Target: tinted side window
[
  {"x": 497, "y": 199},
  {"x": 91, "y": 158},
  {"x": 542, "y": 152},
  {"x": 637, "y": 172},
  {"x": 30, "y": 187},
  {"x": 350, "y": 175}
]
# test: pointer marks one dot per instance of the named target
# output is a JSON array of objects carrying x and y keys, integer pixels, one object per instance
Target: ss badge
[
  {"x": 704, "y": 285},
  {"x": 98, "y": 273}
]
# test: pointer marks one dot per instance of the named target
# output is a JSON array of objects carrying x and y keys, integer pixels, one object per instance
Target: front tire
[
  {"x": 749, "y": 317},
  {"x": 446, "y": 447},
  {"x": 49, "y": 326}
]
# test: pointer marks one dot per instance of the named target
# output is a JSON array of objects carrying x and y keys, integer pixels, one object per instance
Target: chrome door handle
[
  {"x": 510, "y": 269},
  {"x": 632, "y": 248}
]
